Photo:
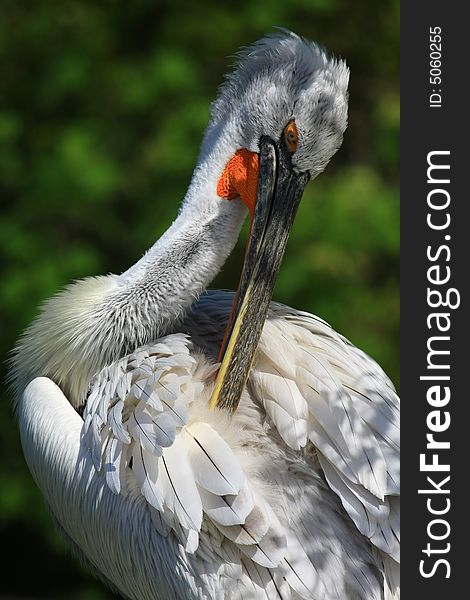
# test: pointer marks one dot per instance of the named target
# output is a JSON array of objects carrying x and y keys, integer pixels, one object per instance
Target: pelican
[{"x": 200, "y": 444}]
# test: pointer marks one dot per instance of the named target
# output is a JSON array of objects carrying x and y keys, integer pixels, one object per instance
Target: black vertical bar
[{"x": 434, "y": 118}]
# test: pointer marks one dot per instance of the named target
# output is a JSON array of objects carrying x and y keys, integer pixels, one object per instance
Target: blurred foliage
[{"x": 102, "y": 109}]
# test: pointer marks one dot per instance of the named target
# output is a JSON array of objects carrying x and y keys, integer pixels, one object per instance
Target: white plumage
[{"x": 295, "y": 494}]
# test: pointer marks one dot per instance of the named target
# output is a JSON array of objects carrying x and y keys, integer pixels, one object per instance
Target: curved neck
[
  {"x": 162, "y": 285},
  {"x": 98, "y": 320}
]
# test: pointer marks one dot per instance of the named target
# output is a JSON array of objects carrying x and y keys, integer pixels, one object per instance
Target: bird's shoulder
[
  {"x": 310, "y": 394},
  {"x": 149, "y": 431}
]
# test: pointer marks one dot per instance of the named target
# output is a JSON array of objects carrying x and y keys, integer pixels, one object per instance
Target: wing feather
[
  {"x": 214, "y": 465},
  {"x": 352, "y": 415},
  {"x": 180, "y": 492},
  {"x": 228, "y": 509},
  {"x": 115, "y": 462},
  {"x": 142, "y": 429},
  {"x": 145, "y": 468},
  {"x": 115, "y": 422}
]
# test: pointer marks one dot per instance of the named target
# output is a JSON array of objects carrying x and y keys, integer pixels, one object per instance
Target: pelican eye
[{"x": 291, "y": 136}]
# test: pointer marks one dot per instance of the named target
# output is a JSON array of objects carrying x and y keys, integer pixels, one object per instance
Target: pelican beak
[{"x": 279, "y": 192}]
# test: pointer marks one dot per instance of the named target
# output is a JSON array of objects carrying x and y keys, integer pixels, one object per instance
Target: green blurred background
[{"x": 102, "y": 110}]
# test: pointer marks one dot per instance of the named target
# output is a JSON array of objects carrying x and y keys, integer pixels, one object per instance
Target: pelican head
[
  {"x": 280, "y": 79},
  {"x": 278, "y": 119},
  {"x": 286, "y": 103}
]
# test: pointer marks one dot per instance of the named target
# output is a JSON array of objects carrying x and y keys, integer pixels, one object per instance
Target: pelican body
[{"x": 200, "y": 444}]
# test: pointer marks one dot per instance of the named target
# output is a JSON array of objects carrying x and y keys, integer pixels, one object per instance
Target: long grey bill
[{"x": 279, "y": 194}]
